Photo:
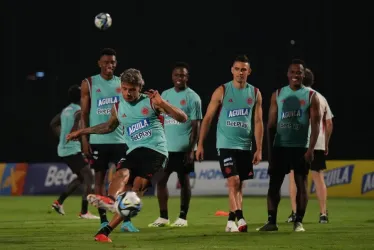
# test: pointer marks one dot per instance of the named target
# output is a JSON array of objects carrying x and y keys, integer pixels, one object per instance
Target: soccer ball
[
  {"x": 128, "y": 204},
  {"x": 103, "y": 21}
]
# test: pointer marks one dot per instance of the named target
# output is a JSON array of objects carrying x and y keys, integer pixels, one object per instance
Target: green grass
[{"x": 29, "y": 223}]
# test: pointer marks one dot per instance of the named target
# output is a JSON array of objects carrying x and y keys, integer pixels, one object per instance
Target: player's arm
[
  {"x": 172, "y": 111},
  {"x": 196, "y": 116},
  {"x": 103, "y": 128},
  {"x": 315, "y": 117},
  {"x": 328, "y": 125},
  {"x": 77, "y": 120},
  {"x": 85, "y": 107},
  {"x": 259, "y": 124},
  {"x": 214, "y": 104},
  {"x": 55, "y": 124},
  {"x": 272, "y": 124}
]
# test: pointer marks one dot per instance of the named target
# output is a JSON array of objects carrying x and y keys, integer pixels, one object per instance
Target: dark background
[{"x": 60, "y": 38}]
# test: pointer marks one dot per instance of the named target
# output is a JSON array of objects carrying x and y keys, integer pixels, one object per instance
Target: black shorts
[
  {"x": 236, "y": 162},
  {"x": 75, "y": 162},
  {"x": 177, "y": 163},
  {"x": 285, "y": 159},
  {"x": 103, "y": 154},
  {"x": 143, "y": 162},
  {"x": 319, "y": 162}
]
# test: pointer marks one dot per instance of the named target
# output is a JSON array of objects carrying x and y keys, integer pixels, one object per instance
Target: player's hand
[
  {"x": 309, "y": 156},
  {"x": 200, "y": 153},
  {"x": 73, "y": 136},
  {"x": 189, "y": 157},
  {"x": 154, "y": 96},
  {"x": 86, "y": 148},
  {"x": 257, "y": 157},
  {"x": 326, "y": 150}
]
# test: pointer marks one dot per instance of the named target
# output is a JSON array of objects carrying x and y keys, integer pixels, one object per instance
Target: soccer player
[
  {"x": 237, "y": 103},
  {"x": 147, "y": 151},
  {"x": 293, "y": 109},
  {"x": 62, "y": 124},
  {"x": 181, "y": 141},
  {"x": 320, "y": 151},
  {"x": 98, "y": 95}
]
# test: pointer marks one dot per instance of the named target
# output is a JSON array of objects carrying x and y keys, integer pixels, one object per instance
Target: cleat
[
  {"x": 231, "y": 227},
  {"x": 128, "y": 227},
  {"x": 102, "y": 202},
  {"x": 242, "y": 226},
  {"x": 268, "y": 227},
  {"x": 180, "y": 223},
  {"x": 291, "y": 218},
  {"x": 323, "y": 219},
  {"x": 89, "y": 216},
  {"x": 160, "y": 222},
  {"x": 298, "y": 227},
  {"x": 102, "y": 238},
  {"x": 58, "y": 207}
]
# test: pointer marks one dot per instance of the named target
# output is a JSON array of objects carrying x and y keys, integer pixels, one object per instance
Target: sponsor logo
[
  {"x": 291, "y": 114},
  {"x": 367, "y": 183},
  {"x": 238, "y": 112},
  {"x": 237, "y": 124},
  {"x": 137, "y": 126}
]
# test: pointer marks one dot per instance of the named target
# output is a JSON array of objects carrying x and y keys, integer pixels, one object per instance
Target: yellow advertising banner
[{"x": 347, "y": 179}]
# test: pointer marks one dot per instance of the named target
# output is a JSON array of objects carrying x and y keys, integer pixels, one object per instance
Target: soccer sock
[
  {"x": 70, "y": 189},
  {"x": 299, "y": 215},
  {"x": 272, "y": 216},
  {"x": 105, "y": 230},
  {"x": 183, "y": 212},
  {"x": 164, "y": 214},
  {"x": 84, "y": 207},
  {"x": 239, "y": 214},
  {"x": 231, "y": 216},
  {"x": 126, "y": 219},
  {"x": 102, "y": 214}
]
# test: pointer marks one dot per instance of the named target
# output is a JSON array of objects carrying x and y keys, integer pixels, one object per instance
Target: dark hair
[
  {"x": 309, "y": 78},
  {"x": 298, "y": 61},
  {"x": 132, "y": 76},
  {"x": 108, "y": 52},
  {"x": 74, "y": 94},
  {"x": 182, "y": 65},
  {"x": 242, "y": 58}
]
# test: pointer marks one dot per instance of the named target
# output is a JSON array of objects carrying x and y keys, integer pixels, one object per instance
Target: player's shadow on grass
[{"x": 370, "y": 221}]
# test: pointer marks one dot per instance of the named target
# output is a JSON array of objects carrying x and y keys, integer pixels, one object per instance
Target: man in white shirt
[{"x": 320, "y": 151}]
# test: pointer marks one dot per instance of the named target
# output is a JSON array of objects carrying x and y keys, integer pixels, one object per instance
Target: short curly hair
[{"x": 132, "y": 76}]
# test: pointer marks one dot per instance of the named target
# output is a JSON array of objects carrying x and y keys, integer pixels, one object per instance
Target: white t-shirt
[{"x": 325, "y": 114}]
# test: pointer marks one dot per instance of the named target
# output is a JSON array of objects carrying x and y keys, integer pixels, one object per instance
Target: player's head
[
  {"x": 131, "y": 84},
  {"x": 241, "y": 69},
  {"x": 107, "y": 62},
  {"x": 74, "y": 94},
  {"x": 296, "y": 72},
  {"x": 180, "y": 75},
  {"x": 309, "y": 78}
]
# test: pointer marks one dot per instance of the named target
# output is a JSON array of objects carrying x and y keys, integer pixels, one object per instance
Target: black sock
[
  {"x": 105, "y": 230},
  {"x": 299, "y": 215},
  {"x": 272, "y": 216},
  {"x": 102, "y": 214},
  {"x": 239, "y": 214},
  {"x": 183, "y": 212},
  {"x": 112, "y": 198},
  {"x": 126, "y": 219},
  {"x": 164, "y": 214},
  {"x": 84, "y": 207},
  {"x": 69, "y": 190},
  {"x": 231, "y": 216}
]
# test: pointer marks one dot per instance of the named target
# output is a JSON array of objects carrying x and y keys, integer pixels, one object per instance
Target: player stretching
[
  {"x": 145, "y": 136},
  {"x": 292, "y": 109},
  {"x": 320, "y": 151},
  {"x": 181, "y": 140},
  {"x": 99, "y": 94},
  {"x": 237, "y": 101},
  {"x": 62, "y": 124}
]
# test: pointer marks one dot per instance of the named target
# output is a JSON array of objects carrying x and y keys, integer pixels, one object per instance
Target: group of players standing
[{"x": 152, "y": 135}]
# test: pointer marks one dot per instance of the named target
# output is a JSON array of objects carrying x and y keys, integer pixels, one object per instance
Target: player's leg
[
  {"x": 292, "y": 191},
  {"x": 317, "y": 167},
  {"x": 100, "y": 165},
  {"x": 301, "y": 170},
  {"x": 163, "y": 196},
  {"x": 184, "y": 181},
  {"x": 57, "y": 205},
  {"x": 229, "y": 171},
  {"x": 277, "y": 172}
]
